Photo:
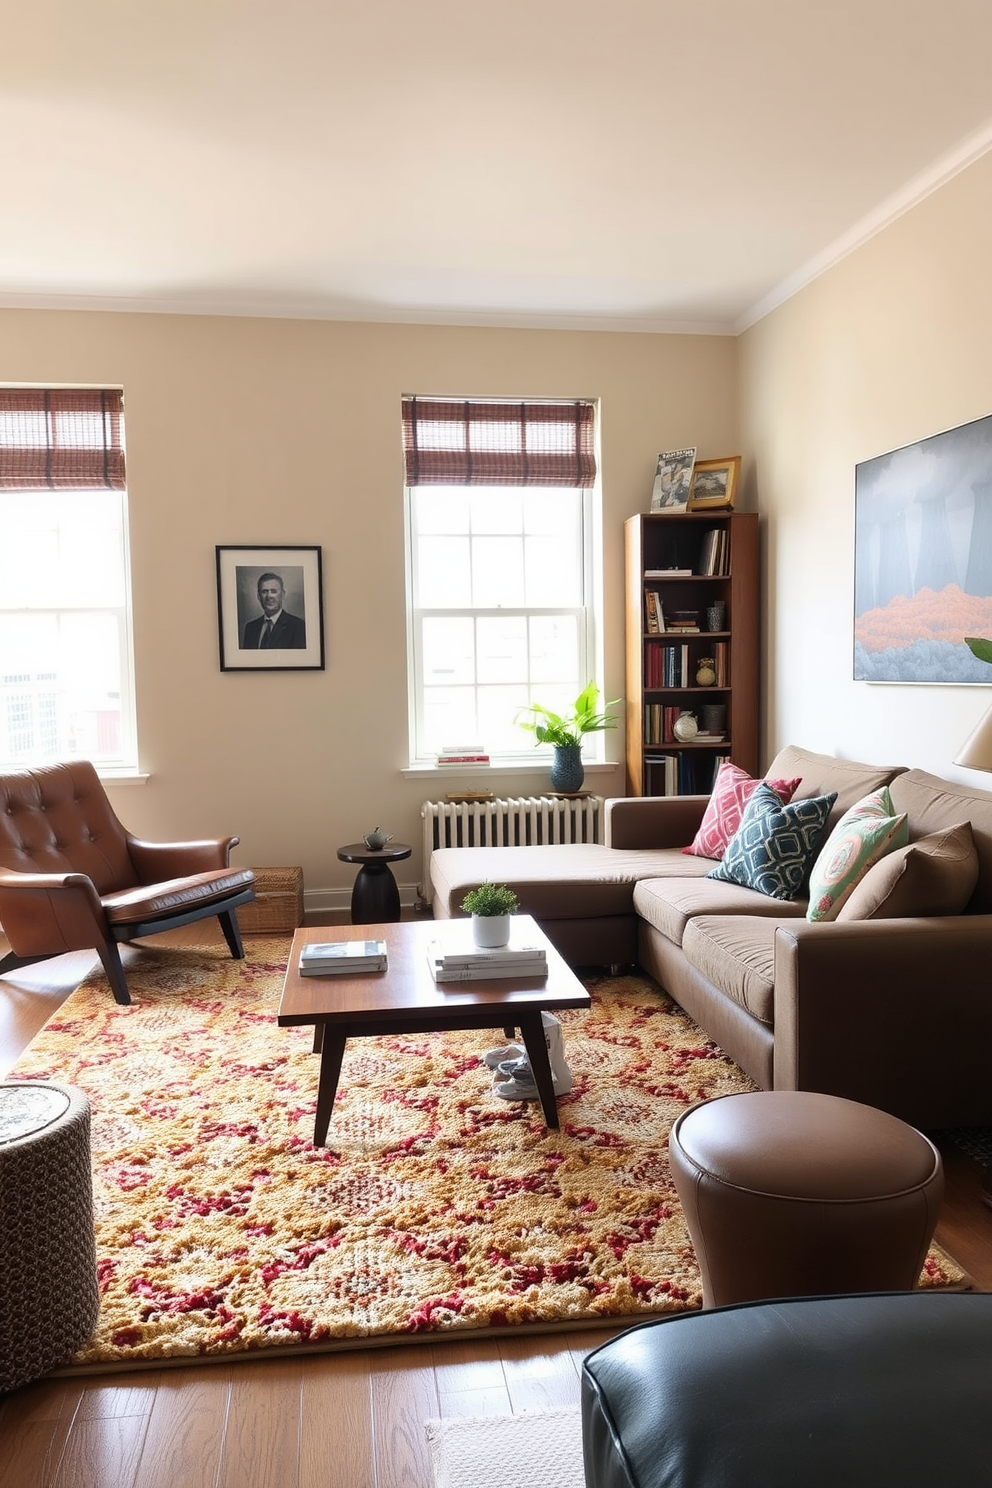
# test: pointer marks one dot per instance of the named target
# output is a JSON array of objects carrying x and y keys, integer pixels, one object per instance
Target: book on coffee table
[
  {"x": 342, "y": 957},
  {"x": 460, "y": 962}
]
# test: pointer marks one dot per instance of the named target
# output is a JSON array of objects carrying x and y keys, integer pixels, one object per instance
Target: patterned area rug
[{"x": 437, "y": 1208}]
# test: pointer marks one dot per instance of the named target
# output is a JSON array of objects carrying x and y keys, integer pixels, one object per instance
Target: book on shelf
[
  {"x": 668, "y": 573},
  {"x": 462, "y": 759},
  {"x": 342, "y": 957},
  {"x": 653, "y": 613},
  {"x": 713, "y": 552},
  {"x": 703, "y": 736}
]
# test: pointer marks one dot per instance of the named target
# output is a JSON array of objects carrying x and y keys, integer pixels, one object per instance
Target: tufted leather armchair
[{"x": 72, "y": 878}]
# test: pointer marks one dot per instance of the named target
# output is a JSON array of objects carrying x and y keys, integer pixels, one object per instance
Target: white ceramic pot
[{"x": 491, "y": 930}]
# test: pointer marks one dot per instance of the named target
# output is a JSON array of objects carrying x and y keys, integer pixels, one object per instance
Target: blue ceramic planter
[{"x": 567, "y": 770}]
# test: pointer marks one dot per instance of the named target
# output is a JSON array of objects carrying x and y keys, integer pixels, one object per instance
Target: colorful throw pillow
[
  {"x": 865, "y": 833},
  {"x": 732, "y": 790},
  {"x": 775, "y": 845},
  {"x": 935, "y": 875}
]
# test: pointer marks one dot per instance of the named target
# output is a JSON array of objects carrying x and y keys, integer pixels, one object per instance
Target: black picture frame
[{"x": 296, "y": 643}]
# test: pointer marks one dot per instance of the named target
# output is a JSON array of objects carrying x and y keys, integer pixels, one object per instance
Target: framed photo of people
[{"x": 270, "y": 609}]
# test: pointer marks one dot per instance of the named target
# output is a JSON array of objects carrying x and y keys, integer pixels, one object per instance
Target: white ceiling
[{"x": 632, "y": 164}]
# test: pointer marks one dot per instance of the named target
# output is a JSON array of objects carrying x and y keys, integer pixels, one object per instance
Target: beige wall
[
  {"x": 888, "y": 347},
  {"x": 267, "y": 431}
]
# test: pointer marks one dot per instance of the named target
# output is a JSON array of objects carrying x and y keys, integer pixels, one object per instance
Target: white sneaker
[
  {"x": 506, "y": 1054},
  {"x": 519, "y": 1081}
]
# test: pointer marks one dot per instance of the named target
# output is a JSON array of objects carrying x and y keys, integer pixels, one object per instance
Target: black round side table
[{"x": 375, "y": 899}]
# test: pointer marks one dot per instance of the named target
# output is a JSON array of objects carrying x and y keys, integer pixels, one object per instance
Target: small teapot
[{"x": 377, "y": 839}]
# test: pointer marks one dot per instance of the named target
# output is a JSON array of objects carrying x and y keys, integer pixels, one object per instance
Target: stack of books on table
[
  {"x": 342, "y": 957},
  {"x": 462, "y": 754},
  {"x": 464, "y": 963}
]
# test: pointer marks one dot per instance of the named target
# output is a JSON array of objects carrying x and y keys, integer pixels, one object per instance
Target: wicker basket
[{"x": 278, "y": 902}]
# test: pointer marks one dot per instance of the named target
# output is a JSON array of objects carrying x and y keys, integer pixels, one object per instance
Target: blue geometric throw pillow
[{"x": 775, "y": 846}]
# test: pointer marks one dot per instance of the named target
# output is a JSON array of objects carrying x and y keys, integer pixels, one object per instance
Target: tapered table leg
[{"x": 331, "y": 1054}]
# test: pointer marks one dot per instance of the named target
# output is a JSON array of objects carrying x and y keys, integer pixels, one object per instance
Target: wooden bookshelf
[{"x": 662, "y": 667}]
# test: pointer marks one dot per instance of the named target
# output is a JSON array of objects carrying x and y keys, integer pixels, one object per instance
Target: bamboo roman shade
[
  {"x": 60, "y": 439},
  {"x": 475, "y": 442}
]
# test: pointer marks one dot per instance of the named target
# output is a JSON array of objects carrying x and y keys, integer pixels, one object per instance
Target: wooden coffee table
[{"x": 406, "y": 999}]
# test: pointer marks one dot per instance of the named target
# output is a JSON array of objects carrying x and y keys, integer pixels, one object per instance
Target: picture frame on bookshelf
[
  {"x": 672, "y": 481},
  {"x": 277, "y": 584},
  {"x": 714, "y": 484}
]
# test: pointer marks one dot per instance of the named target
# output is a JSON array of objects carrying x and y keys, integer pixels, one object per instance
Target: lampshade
[{"x": 976, "y": 753}]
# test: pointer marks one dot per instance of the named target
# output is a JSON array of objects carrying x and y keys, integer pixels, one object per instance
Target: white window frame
[{"x": 590, "y": 631}]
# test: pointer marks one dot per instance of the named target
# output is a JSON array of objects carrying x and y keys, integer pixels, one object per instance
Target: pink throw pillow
[{"x": 732, "y": 790}]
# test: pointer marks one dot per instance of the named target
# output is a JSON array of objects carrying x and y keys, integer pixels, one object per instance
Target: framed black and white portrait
[{"x": 270, "y": 609}]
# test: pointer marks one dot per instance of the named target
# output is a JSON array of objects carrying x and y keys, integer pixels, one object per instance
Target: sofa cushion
[
  {"x": 732, "y": 790},
  {"x": 864, "y": 834},
  {"x": 569, "y": 880},
  {"x": 934, "y": 876},
  {"x": 822, "y": 773},
  {"x": 932, "y": 804},
  {"x": 737, "y": 954},
  {"x": 669, "y": 904},
  {"x": 776, "y": 845}
]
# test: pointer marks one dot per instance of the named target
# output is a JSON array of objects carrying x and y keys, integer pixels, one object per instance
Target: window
[
  {"x": 503, "y": 567},
  {"x": 66, "y": 688}
]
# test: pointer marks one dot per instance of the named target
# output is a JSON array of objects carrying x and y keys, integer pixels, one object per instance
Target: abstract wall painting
[{"x": 923, "y": 559}]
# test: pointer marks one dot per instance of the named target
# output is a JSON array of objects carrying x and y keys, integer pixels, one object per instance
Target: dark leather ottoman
[{"x": 859, "y": 1391}]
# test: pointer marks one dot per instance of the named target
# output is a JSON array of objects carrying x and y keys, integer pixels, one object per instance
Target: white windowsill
[{"x": 481, "y": 772}]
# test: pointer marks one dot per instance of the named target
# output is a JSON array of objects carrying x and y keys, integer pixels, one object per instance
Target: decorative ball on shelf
[
  {"x": 705, "y": 672},
  {"x": 685, "y": 727}
]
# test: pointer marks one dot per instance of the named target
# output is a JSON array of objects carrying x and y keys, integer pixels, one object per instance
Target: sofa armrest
[
  {"x": 653, "y": 821},
  {"x": 154, "y": 862},
  {"x": 895, "y": 1013}
]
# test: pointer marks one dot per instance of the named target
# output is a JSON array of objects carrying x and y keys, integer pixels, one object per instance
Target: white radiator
[{"x": 517, "y": 821}]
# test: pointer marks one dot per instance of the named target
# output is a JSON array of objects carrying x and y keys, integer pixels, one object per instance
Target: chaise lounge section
[{"x": 889, "y": 1004}]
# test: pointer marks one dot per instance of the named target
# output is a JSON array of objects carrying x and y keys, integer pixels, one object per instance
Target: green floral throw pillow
[
  {"x": 864, "y": 834},
  {"x": 775, "y": 845}
]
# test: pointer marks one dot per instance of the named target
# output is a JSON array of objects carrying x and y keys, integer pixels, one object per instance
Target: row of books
[
  {"x": 462, "y": 754},
  {"x": 465, "y": 963},
  {"x": 659, "y": 727},
  {"x": 671, "y": 666},
  {"x": 712, "y": 562},
  {"x": 342, "y": 957},
  {"x": 682, "y": 774}
]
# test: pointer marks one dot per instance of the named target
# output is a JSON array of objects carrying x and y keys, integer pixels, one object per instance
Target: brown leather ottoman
[{"x": 788, "y": 1193}]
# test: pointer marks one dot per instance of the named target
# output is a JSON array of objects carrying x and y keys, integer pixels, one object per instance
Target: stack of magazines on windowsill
[
  {"x": 342, "y": 957},
  {"x": 462, "y": 754},
  {"x": 467, "y": 962}
]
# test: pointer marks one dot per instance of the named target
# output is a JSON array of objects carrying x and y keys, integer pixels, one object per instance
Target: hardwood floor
[{"x": 347, "y": 1420}]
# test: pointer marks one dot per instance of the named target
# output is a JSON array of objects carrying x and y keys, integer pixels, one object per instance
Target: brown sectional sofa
[{"x": 895, "y": 1012}]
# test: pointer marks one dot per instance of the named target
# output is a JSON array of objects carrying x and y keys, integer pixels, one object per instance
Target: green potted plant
[
  {"x": 565, "y": 732},
  {"x": 491, "y": 906}
]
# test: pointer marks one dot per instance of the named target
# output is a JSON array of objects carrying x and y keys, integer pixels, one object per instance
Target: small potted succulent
[{"x": 490, "y": 906}]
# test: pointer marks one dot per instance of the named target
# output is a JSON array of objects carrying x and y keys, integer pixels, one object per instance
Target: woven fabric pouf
[
  {"x": 49, "y": 1297},
  {"x": 788, "y": 1193}
]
